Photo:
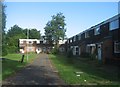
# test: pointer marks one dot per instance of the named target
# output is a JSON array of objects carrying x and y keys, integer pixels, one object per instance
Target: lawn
[
  {"x": 84, "y": 71},
  {"x": 12, "y": 63}
]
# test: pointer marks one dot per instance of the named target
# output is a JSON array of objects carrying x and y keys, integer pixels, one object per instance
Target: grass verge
[
  {"x": 12, "y": 63},
  {"x": 84, "y": 71}
]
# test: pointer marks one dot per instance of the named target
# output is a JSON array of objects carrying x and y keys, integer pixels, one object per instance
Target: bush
[
  {"x": 54, "y": 51},
  {"x": 12, "y": 49},
  {"x": 4, "y": 50}
]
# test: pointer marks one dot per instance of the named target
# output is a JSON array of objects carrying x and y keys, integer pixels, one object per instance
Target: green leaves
[
  {"x": 55, "y": 29},
  {"x": 15, "y": 33}
]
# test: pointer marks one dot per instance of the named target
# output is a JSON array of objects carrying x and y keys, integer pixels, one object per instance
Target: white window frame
[
  {"x": 87, "y": 34},
  {"x": 115, "y": 48},
  {"x": 79, "y": 37},
  {"x": 74, "y": 38},
  {"x": 97, "y": 30},
  {"x": 70, "y": 40},
  {"x": 114, "y": 24}
]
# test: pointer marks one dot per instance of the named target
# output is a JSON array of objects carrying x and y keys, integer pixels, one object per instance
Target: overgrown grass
[
  {"x": 91, "y": 73},
  {"x": 12, "y": 63}
]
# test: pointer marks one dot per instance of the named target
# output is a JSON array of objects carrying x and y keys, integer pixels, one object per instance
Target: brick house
[
  {"x": 29, "y": 45},
  {"x": 38, "y": 46},
  {"x": 102, "y": 39}
]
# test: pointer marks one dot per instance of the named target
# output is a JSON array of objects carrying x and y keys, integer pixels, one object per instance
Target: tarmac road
[{"x": 40, "y": 72}]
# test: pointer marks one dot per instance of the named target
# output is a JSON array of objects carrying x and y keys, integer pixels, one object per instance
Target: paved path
[{"x": 40, "y": 72}]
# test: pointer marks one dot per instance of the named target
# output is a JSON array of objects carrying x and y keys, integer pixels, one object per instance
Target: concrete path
[{"x": 40, "y": 72}]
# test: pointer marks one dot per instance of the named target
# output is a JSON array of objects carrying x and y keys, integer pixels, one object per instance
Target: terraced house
[{"x": 103, "y": 40}]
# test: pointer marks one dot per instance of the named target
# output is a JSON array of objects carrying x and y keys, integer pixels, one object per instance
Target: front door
[{"x": 99, "y": 52}]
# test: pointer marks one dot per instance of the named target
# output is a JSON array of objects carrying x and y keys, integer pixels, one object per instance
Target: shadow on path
[{"x": 40, "y": 72}]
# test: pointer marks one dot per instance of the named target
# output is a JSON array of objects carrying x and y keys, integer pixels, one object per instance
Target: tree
[
  {"x": 34, "y": 34},
  {"x": 2, "y": 29},
  {"x": 15, "y": 33},
  {"x": 13, "y": 36},
  {"x": 55, "y": 29}
]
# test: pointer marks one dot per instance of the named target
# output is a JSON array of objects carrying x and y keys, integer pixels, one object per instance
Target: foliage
[
  {"x": 54, "y": 50},
  {"x": 55, "y": 29},
  {"x": 4, "y": 50},
  {"x": 15, "y": 33},
  {"x": 90, "y": 73},
  {"x": 2, "y": 29},
  {"x": 11, "y": 64},
  {"x": 32, "y": 33}
]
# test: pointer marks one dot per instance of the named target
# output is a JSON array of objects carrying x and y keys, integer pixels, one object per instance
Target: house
[
  {"x": 29, "y": 45},
  {"x": 37, "y": 46},
  {"x": 62, "y": 46},
  {"x": 103, "y": 40}
]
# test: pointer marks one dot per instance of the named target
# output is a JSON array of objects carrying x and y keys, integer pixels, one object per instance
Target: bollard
[{"x": 22, "y": 58}]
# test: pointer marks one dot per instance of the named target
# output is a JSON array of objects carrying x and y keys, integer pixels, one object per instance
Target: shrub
[
  {"x": 54, "y": 51},
  {"x": 12, "y": 49},
  {"x": 4, "y": 50}
]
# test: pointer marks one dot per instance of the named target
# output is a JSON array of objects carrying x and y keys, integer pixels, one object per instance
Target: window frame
[
  {"x": 112, "y": 26},
  {"x": 115, "y": 48},
  {"x": 87, "y": 34},
  {"x": 97, "y": 30}
]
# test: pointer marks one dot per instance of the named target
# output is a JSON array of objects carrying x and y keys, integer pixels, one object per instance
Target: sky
[{"x": 79, "y": 16}]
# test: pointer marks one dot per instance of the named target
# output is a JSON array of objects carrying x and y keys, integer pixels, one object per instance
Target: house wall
[{"x": 105, "y": 38}]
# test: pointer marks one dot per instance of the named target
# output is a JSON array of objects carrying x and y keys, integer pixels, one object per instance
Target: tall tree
[
  {"x": 13, "y": 35},
  {"x": 32, "y": 33},
  {"x": 55, "y": 29},
  {"x": 2, "y": 29}
]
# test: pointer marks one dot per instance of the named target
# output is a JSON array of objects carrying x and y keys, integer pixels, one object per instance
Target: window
[
  {"x": 70, "y": 40},
  {"x": 97, "y": 31},
  {"x": 74, "y": 38},
  {"x": 82, "y": 35},
  {"x": 87, "y": 34},
  {"x": 79, "y": 37},
  {"x": 41, "y": 42},
  {"x": 114, "y": 24},
  {"x": 116, "y": 47},
  {"x": 21, "y": 42},
  {"x": 30, "y": 42}
]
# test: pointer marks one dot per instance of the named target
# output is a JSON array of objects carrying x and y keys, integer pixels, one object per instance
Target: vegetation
[
  {"x": 2, "y": 29},
  {"x": 84, "y": 71},
  {"x": 55, "y": 29},
  {"x": 12, "y": 63},
  {"x": 16, "y": 33}
]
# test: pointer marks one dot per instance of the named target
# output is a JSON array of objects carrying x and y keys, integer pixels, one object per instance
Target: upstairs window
[
  {"x": 70, "y": 40},
  {"x": 116, "y": 47},
  {"x": 79, "y": 37},
  {"x": 21, "y": 42},
  {"x": 87, "y": 34},
  {"x": 97, "y": 31},
  {"x": 114, "y": 24},
  {"x": 74, "y": 38}
]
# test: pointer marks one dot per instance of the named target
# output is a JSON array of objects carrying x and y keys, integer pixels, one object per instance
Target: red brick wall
[{"x": 107, "y": 50}]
